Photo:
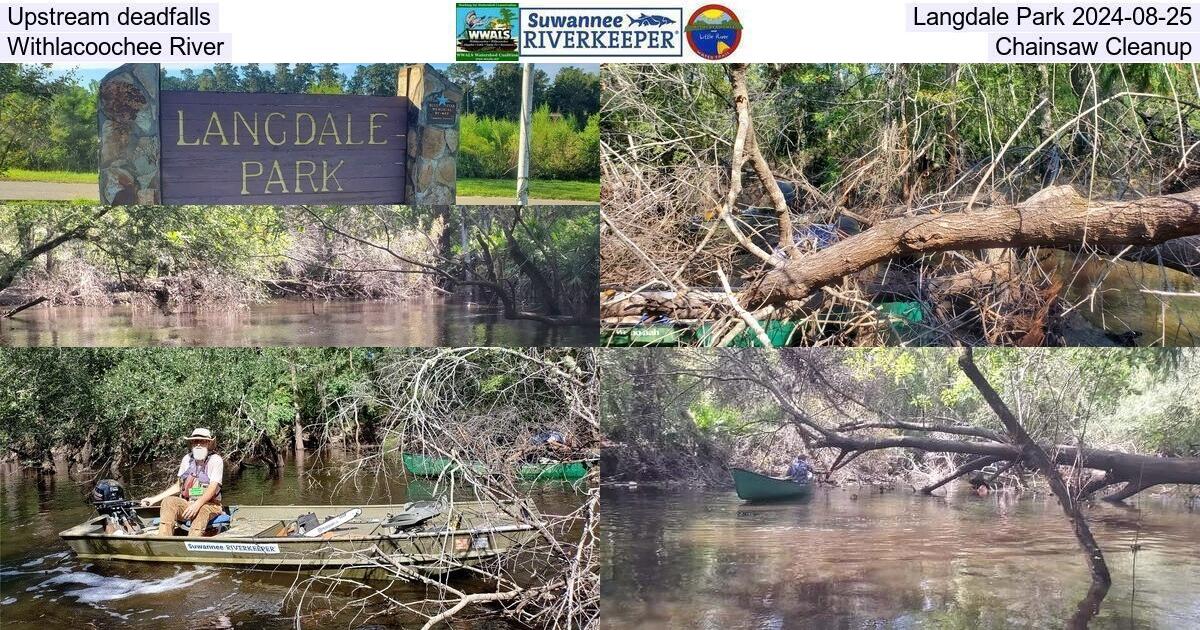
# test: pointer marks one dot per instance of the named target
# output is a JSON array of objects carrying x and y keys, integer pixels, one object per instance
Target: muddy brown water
[
  {"x": 707, "y": 560},
  {"x": 42, "y": 585},
  {"x": 1162, "y": 305},
  {"x": 287, "y": 323}
]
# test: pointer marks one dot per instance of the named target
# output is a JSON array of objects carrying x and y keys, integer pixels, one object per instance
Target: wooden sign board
[{"x": 233, "y": 148}]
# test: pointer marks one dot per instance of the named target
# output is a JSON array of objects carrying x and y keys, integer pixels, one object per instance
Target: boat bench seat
[{"x": 216, "y": 526}]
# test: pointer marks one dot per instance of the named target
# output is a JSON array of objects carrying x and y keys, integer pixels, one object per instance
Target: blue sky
[{"x": 87, "y": 75}]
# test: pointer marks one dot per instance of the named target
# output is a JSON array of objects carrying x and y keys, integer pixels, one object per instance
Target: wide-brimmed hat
[{"x": 200, "y": 434}]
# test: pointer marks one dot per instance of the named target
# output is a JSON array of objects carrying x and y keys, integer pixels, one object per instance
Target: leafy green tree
[
  {"x": 186, "y": 81},
  {"x": 74, "y": 143},
  {"x": 374, "y": 79},
  {"x": 225, "y": 78},
  {"x": 25, "y": 119},
  {"x": 574, "y": 93},
  {"x": 303, "y": 76},
  {"x": 500, "y": 93},
  {"x": 467, "y": 76},
  {"x": 255, "y": 79}
]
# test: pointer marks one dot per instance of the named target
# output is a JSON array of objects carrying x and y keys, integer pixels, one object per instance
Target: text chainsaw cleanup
[{"x": 1140, "y": 19}]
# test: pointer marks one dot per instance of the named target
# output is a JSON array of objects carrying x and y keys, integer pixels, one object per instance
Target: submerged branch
[{"x": 1034, "y": 454}]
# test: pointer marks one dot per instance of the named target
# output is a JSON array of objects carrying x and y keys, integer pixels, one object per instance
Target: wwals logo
[
  {"x": 714, "y": 32},
  {"x": 486, "y": 31}
]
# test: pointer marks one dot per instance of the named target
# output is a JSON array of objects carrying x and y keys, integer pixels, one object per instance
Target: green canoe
[
  {"x": 752, "y": 486},
  {"x": 424, "y": 466}
]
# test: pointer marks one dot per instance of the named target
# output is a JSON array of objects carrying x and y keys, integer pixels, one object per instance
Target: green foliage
[
  {"x": 488, "y": 147},
  {"x": 574, "y": 93},
  {"x": 240, "y": 243},
  {"x": 712, "y": 417},
  {"x": 832, "y": 122},
  {"x": 560, "y": 243},
  {"x": 374, "y": 79},
  {"x": 499, "y": 95},
  {"x": 1132, "y": 400},
  {"x": 127, "y": 406},
  {"x": 45, "y": 123},
  {"x": 1164, "y": 418}
]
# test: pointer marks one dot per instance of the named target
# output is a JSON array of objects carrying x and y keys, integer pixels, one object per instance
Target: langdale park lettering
[
  {"x": 277, "y": 129},
  {"x": 266, "y": 146}
]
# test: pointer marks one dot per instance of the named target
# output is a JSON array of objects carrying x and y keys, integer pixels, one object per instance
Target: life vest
[{"x": 196, "y": 476}]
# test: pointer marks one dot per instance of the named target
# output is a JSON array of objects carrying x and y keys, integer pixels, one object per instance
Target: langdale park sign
[{"x": 167, "y": 147}]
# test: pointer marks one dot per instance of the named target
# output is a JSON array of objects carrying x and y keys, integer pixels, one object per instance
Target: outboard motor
[{"x": 110, "y": 500}]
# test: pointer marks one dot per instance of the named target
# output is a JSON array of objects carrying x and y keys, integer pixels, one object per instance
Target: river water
[
  {"x": 287, "y": 323},
  {"x": 43, "y": 586},
  {"x": 1160, "y": 305},
  {"x": 849, "y": 558}
]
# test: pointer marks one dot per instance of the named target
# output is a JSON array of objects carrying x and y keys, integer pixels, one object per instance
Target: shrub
[{"x": 488, "y": 147}]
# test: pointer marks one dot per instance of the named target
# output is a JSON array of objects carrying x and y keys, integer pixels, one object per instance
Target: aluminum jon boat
[{"x": 431, "y": 537}]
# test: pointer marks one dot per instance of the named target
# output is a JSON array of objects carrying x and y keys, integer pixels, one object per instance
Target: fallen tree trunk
[
  {"x": 1144, "y": 471},
  {"x": 30, "y": 304},
  {"x": 1055, "y": 217}
]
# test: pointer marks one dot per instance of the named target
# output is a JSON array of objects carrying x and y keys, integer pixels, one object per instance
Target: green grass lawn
[
  {"x": 538, "y": 189},
  {"x": 57, "y": 177}
]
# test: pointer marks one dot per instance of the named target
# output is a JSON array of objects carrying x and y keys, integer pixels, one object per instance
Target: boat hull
[
  {"x": 423, "y": 466},
  {"x": 465, "y": 534},
  {"x": 752, "y": 486}
]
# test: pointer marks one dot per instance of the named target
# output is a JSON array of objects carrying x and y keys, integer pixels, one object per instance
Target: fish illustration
[{"x": 650, "y": 20}]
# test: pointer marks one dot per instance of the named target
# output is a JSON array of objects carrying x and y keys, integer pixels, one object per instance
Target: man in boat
[
  {"x": 196, "y": 496},
  {"x": 799, "y": 470}
]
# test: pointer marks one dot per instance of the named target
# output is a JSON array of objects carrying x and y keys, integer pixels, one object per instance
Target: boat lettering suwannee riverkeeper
[{"x": 224, "y": 547}]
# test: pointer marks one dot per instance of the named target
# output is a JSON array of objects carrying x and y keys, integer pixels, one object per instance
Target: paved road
[
  {"x": 48, "y": 191},
  {"x": 67, "y": 192}
]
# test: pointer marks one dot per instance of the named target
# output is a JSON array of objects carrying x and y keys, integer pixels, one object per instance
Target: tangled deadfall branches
[
  {"x": 748, "y": 172},
  {"x": 479, "y": 408}
]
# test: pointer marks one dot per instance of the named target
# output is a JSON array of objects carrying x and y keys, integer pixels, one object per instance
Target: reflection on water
[
  {"x": 707, "y": 560},
  {"x": 287, "y": 323},
  {"x": 1113, "y": 295},
  {"x": 42, "y": 585}
]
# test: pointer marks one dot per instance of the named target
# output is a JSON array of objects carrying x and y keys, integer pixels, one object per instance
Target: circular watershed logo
[{"x": 714, "y": 32}]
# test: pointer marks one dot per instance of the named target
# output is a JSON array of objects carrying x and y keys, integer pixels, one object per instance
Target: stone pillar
[
  {"x": 129, "y": 136},
  {"x": 432, "y": 135}
]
